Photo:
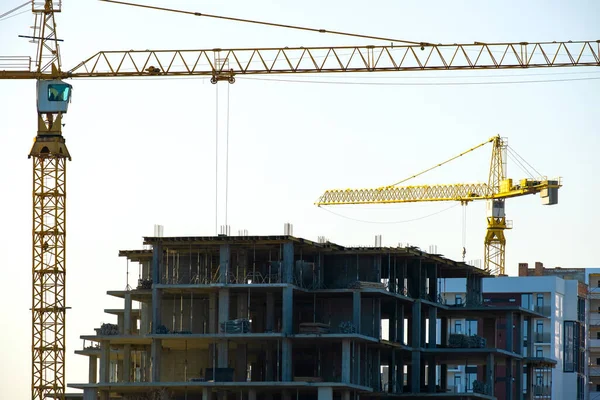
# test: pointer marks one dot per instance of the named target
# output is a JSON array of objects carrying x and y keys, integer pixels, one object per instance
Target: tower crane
[
  {"x": 495, "y": 192},
  {"x": 50, "y": 154}
]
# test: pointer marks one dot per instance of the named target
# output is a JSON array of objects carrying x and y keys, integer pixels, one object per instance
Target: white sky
[{"x": 144, "y": 151}]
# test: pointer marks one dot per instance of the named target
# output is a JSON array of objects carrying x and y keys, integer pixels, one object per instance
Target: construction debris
[
  {"x": 108, "y": 330},
  {"x": 347, "y": 327},
  {"x": 314, "y": 328},
  {"x": 144, "y": 284},
  {"x": 241, "y": 325},
  {"x": 464, "y": 341},
  {"x": 366, "y": 285}
]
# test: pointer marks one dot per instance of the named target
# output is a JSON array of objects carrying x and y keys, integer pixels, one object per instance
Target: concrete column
[
  {"x": 223, "y": 346},
  {"x": 415, "y": 325},
  {"x": 519, "y": 334},
  {"x": 127, "y": 363},
  {"x": 104, "y": 361},
  {"x": 510, "y": 346},
  {"x": 529, "y": 383},
  {"x": 252, "y": 394},
  {"x": 287, "y": 310},
  {"x": 156, "y": 352},
  {"x": 206, "y": 394},
  {"x": 392, "y": 372},
  {"x": 270, "y": 317},
  {"x": 286, "y": 360},
  {"x": 157, "y": 254},
  {"x": 325, "y": 393},
  {"x": 224, "y": 263},
  {"x": 489, "y": 374},
  {"x": 93, "y": 369},
  {"x": 509, "y": 379},
  {"x": 431, "y": 375},
  {"x": 346, "y": 395},
  {"x": 287, "y": 273},
  {"x": 432, "y": 281},
  {"x": 241, "y": 362},
  {"x": 90, "y": 394},
  {"x": 127, "y": 314},
  {"x": 357, "y": 364},
  {"x": 519, "y": 379},
  {"x": 393, "y": 324},
  {"x": 400, "y": 325},
  {"x": 415, "y": 376},
  {"x": 346, "y": 370},
  {"x": 444, "y": 331},
  {"x": 444, "y": 377},
  {"x": 377, "y": 317},
  {"x": 377, "y": 369},
  {"x": 287, "y": 395},
  {"x": 432, "y": 328},
  {"x": 356, "y": 310},
  {"x": 530, "y": 337}
]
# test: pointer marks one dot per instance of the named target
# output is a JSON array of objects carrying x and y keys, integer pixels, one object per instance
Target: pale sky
[{"x": 144, "y": 151}]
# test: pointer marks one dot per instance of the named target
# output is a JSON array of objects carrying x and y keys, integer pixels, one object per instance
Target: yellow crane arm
[
  {"x": 224, "y": 64},
  {"x": 463, "y": 192}
]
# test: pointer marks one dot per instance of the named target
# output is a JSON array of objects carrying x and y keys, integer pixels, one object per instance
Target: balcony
[
  {"x": 594, "y": 370},
  {"x": 541, "y": 337},
  {"x": 594, "y": 293},
  {"x": 594, "y": 319},
  {"x": 594, "y": 343},
  {"x": 542, "y": 390},
  {"x": 544, "y": 310}
]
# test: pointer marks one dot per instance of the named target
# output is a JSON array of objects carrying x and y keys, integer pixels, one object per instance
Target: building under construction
[{"x": 280, "y": 317}]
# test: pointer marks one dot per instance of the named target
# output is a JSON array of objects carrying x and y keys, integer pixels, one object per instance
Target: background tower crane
[
  {"x": 495, "y": 192},
  {"x": 50, "y": 154}
]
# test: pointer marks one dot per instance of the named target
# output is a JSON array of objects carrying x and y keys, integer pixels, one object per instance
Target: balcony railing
[
  {"x": 594, "y": 370},
  {"x": 544, "y": 310},
  {"x": 594, "y": 319},
  {"x": 542, "y": 337},
  {"x": 542, "y": 390}
]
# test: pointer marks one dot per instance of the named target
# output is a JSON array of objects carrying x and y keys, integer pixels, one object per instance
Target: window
[
  {"x": 471, "y": 327},
  {"x": 598, "y": 335},
  {"x": 457, "y": 383},
  {"x": 469, "y": 379},
  {"x": 58, "y": 92},
  {"x": 539, "y": 352},
  {"x": 458, "y": 299},
  {"x": 458, "y": 327},
  {"x": 569, "y": 347},
  {"x": 539, "y": 326},
  {"x": 539, "y": 301},
  {"x": 598, "y": 283},
  {"x": 527, "y": 300}
]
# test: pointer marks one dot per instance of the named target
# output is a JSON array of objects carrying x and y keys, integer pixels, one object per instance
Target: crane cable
[
  {"x": 15, "y": 9},
  {"x": 250, "y": 21},
  {"x": 445, "y": 162},
  {"x": 216, "y": 159},
  {"x": 464, "y": 229}
]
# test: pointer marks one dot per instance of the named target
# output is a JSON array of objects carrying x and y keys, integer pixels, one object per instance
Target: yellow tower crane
[
  {"x": 50, "y": 153},
  {"x": 495, "y": 192}
]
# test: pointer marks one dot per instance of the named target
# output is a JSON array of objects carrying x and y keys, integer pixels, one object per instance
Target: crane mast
[{"x": 49, "y": 153}]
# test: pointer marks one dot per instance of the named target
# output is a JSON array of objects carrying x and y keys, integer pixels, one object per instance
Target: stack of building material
[
  {"x": 347, "y": 327},
  {"x": 366, "y": 285},
  {"x": 144, "y": 284},
  {"x": 464, "y": 341},
  {"x": 108, "y": 329},
  {"x": 241, "y": 325},
  {"x": 314, "y": 328},
  {"x": 162, "y": 330}
]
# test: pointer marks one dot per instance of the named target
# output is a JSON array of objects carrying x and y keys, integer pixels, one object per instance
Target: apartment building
[
  {"x": 558, "y": 334},
  {"x": 594, "y": 336}
]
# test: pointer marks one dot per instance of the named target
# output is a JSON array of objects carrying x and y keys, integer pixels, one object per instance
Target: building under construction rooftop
[{"x": 280, "y": 317}]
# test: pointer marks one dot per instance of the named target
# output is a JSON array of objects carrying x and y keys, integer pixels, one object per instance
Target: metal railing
[
  {"x": 543, "y": 337},
  {"x": 544, "y": 310},
  {"x": 539, "y": 390}
]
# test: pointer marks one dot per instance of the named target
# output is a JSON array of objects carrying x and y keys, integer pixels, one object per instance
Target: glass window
[
  {"x": 458, "y": 299},
  {"x": 539, "y": 327},
  {"x": 58, "y": 92},
  {"x": 540, "y": 300},
  {"x": 471, "y": 327},
  {"x": 569, "y": 347},
  {"x": 526, "y": 300},
  {"x": 539, "y": 352},
  {"x": 458, "y": 327}
]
